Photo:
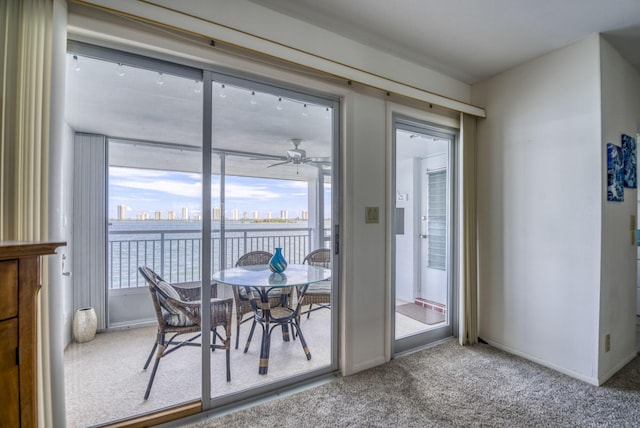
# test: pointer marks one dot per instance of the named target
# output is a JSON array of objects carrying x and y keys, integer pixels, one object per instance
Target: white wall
[
  {"x": 540, "y": 193},
  {"x": 620, "y": 115},
  {"x": 364, "y": 328}
]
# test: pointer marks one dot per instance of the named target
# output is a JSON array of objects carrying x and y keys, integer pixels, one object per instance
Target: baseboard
[
  {"x": 616, "y": 368},
  {"x": 129, "y": 325},
  {"x": 575, "y": 375}
]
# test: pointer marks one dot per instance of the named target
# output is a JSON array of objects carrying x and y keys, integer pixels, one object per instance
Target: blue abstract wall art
[
  {"x": 629, "y": 157},
  {"x": 615, "y": 173}
]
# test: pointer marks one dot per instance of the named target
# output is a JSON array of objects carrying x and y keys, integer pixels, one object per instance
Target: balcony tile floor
[{"x": 104, "y": 379}]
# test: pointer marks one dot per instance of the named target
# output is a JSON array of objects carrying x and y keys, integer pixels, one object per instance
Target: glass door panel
[
  {"x": 422, "y": 220},
  {"x": 151, "y": 121},
  {"x": 271, "y": 157}
]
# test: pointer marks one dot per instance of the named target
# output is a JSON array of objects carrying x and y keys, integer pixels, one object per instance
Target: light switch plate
[{"x": 372, "y": 215}]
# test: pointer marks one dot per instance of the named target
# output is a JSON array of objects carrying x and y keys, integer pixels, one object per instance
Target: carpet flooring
[
  {"x": 419, "y": 313},
  {"x": 452, "y": 386}
]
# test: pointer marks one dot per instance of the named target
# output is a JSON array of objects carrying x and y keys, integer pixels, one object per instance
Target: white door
[{"x": 423, "y": 297}]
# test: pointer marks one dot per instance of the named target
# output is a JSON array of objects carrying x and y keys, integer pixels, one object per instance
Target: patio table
[{"x": 259, "y": 279}]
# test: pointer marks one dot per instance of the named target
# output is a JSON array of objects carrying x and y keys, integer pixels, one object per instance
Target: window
[{"x": 437, "y": 223}]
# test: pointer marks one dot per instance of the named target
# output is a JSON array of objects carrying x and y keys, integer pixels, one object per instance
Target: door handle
[{"x": 423, "y": 236}]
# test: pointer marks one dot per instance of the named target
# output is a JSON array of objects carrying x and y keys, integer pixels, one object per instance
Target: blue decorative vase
[{"x": 277, "y": 263}]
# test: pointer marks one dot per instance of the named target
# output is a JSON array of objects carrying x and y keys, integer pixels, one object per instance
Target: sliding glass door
[
  {"x": 272, "y": 158},
  {"x": 422, "y": 211},
  {"x": 188, "y": 171}
]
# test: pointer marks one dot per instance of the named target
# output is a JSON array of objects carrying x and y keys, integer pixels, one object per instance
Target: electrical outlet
[
  {"x": 372, "y": 215},
  {"x": 607, "y": 343}
]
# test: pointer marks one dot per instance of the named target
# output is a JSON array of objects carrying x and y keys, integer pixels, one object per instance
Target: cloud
[
  {"x": 189, "y": 190},
  {"x": 243, "y": 191},
  {"x": 145, "y": 188}
]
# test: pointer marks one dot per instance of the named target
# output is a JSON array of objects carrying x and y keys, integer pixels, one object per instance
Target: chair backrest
[
  {"x": 320, "y": 257},
  {"x": 149, "y": 275},
  {"x": 254, "y": 258},
  {"x": 160, "y": 292}
]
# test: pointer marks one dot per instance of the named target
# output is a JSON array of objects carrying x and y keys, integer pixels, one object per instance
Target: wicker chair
[
  {"x": 178, "y": 312},
  {"x": 318, "y": 294},
  {"x": 243, "y": 304}
]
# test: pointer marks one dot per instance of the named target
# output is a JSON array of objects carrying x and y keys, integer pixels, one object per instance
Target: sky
[{"x": 150, "y": 190}]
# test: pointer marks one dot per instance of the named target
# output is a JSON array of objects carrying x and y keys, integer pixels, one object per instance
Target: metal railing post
[{"x": 162, "y": 254}]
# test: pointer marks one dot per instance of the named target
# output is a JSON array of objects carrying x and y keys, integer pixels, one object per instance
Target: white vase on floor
[{"x": 85, "y": 323}]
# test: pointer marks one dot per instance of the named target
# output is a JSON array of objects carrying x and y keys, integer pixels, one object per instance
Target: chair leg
[
  {"x": 263, "y": 367},
  {"x": 285, "y": 332},
  {"x": 302, "y": 341},
  {"x": 155, "y": 368},
  {"x": 228, "y": 362},
  {"x": 238, "y": 322},
  {"x": 253, "y": 327},
  {"x": 155, "y": 345},
  {"x": 309, "y": 311}
]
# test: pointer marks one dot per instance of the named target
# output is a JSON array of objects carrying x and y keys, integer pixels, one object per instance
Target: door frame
[{"x": 427, "y": 123}]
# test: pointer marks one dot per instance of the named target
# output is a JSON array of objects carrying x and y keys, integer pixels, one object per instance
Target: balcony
[
  {"x": 104, "y": 378},
  {"x": 173, "y": 251}
]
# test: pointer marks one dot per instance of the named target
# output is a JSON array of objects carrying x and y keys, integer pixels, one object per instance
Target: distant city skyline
[
  {"x": 168, "y": 195},
  {"x": 123, "y": 214}
]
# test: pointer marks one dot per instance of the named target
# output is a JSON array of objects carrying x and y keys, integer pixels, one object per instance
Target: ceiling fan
[{"x": 297, "y": 156}]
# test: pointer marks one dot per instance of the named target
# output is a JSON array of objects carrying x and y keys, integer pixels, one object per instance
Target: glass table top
[{"x": 261, "y": 276}]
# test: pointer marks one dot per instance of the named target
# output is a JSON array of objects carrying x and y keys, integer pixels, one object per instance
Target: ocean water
[{"x": 172, "y": 248}]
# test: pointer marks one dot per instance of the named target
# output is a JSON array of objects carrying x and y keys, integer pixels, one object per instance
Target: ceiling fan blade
[
  {"x": 279, "y": 163},
  {"x": 268, "y": 157},
  {"x": 318, "y": 161}
]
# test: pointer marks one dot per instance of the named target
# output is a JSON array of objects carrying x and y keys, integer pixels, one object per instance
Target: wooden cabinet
[{"x": 20, "y": 265}]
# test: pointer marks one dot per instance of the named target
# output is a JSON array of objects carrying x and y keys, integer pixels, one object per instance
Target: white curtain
[
  {"x": 469, "y": 265},
  {"x": 25, "y": 79},
  {"x": 24, "y": 140}
]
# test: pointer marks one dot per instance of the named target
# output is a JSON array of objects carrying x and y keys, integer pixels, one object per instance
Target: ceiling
[
  {"x": 471, "y": 40},
  {"x": 154, "y": 120}
]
